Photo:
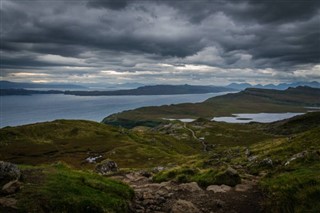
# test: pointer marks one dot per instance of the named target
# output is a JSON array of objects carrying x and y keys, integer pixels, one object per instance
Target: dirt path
[
  {"x": 205, "y": 148},
  {"x": 190, "y": 198}
]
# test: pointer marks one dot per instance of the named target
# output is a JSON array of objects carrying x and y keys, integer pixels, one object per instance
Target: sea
[{"x": 20, "y": 110}]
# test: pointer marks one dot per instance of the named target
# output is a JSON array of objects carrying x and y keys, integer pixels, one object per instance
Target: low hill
[
  {"x": 73, "y": 141},
  {"x": 156, "y": 90},
  {"x": 145, "y": 90},
  {"x": 5, "y": 92},
  {"x": 296, "y": 124},
  {"x": 248, "y": 101}
]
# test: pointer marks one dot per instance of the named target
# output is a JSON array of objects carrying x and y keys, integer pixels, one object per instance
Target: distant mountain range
[
  {"x": 282, "y": 86},
  {"x": 145, "y": 90},
  {"x": 15, "y": 88},
  {"x": 156, "y": 90}
]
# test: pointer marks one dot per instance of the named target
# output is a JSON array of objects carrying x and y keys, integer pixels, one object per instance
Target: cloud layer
[{"x": 210, "y": 42}]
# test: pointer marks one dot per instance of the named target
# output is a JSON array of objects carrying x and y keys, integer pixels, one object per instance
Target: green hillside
[
  {"x": 286, "y": 162},
  {"x": 59, "y": 188},
  {"x": 282, "y": 156},
  {"x": 74, "y": 141},
  {"x": 247, "y": 101}
]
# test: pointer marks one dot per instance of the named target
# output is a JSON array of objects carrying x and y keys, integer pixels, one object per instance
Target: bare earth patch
[{"x": 180, "y": 198}]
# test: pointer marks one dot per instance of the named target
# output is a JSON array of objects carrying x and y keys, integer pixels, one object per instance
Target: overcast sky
[{"x": 160, "y": 41}]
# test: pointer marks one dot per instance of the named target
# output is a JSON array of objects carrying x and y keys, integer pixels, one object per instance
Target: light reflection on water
[{"x": 256, "y": 117}]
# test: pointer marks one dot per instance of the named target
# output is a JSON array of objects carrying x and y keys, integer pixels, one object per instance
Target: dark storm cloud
[
  {"x": 137, "y": 35},
  {"x": 111, "y": 4},
  {"x": 264, "y": 11},
  {"x": 283, "y": 10}
]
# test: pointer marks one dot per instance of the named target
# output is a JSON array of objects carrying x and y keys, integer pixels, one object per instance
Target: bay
[{"x": 19, "y": 110}]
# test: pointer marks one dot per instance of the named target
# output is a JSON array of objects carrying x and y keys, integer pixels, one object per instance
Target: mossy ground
[
  {"x": 74, "y": 141},
  {"x": 58, "y": 188}
]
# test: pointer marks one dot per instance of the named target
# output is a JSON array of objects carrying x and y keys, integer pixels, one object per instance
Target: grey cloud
[
  {"x": 110, "y": 4},
  {"x": 119, "y": 35}
]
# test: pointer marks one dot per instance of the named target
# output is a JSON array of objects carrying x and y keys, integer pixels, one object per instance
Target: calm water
[
  {"x": 256, "y": 117},
  {"x": 19, "y": 110}
]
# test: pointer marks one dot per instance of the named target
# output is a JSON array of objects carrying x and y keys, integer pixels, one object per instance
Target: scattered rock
[
  {"x": 106, "y": 167},
  {"x": 147, "y": 195},
  {"x": 231, "y": 171},
  {"x": 93, "y": 159},
  {"x": 219, "y": 203},
  {"x": 247, "y": 152},
  {"x": 242, "y": 187},
  {"x": 225, "y": 188},
  {"x": 297, "y": 156},
  {"x": 11, "y": 187},
  {"x": 189, "y": 197},
  {"x": 183, "y": 206},
  {"x": 217, "y": 188},
  {"x": 214, "y": 188},
  {"x": 252, "y": 158},
  {"x": 145, "y": 174},
  {"x": 266, "y": 162},
  {"x": 8, "y": 172},
  {"x": 191, "y": 187},
  {"x": 8, "y": 202},
  {"x": 157, "y": 169}
]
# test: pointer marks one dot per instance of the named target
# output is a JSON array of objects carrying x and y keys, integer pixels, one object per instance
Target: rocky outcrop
[
  {"x": 9, "y": 185},
  {"x": 190, "y": 187},
  {"x": 106, "y": 167},
  {"x": 8, "y": 172},
  {"x": 229, "y": 177},
  {"x": 267, "y": 162}
]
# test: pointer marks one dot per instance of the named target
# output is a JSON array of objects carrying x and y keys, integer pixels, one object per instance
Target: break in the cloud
[{"x": 153, "y": 41}]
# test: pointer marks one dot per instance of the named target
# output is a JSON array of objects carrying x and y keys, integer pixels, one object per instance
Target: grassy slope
[
  {"x": 247, "y": 101},
  {"x": 74, "y": 141},
  {"x": 289, "y": 188},
  {"x": 58, "y": 188},
  {"x": 294, "y": 187}
]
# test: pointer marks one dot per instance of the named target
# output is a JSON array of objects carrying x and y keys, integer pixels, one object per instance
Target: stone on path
[{"x": 183, "y": 206}]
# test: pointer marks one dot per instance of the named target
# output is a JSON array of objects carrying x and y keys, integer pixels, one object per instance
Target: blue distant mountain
[
  {"x": 23, "y": 85},
  {"x": 282, "y": 86}
]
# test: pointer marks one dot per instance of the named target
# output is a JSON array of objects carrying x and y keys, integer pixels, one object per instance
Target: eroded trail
[
  {"x": 190, "y": 198},
  {"x": 204, "y": 145}
]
